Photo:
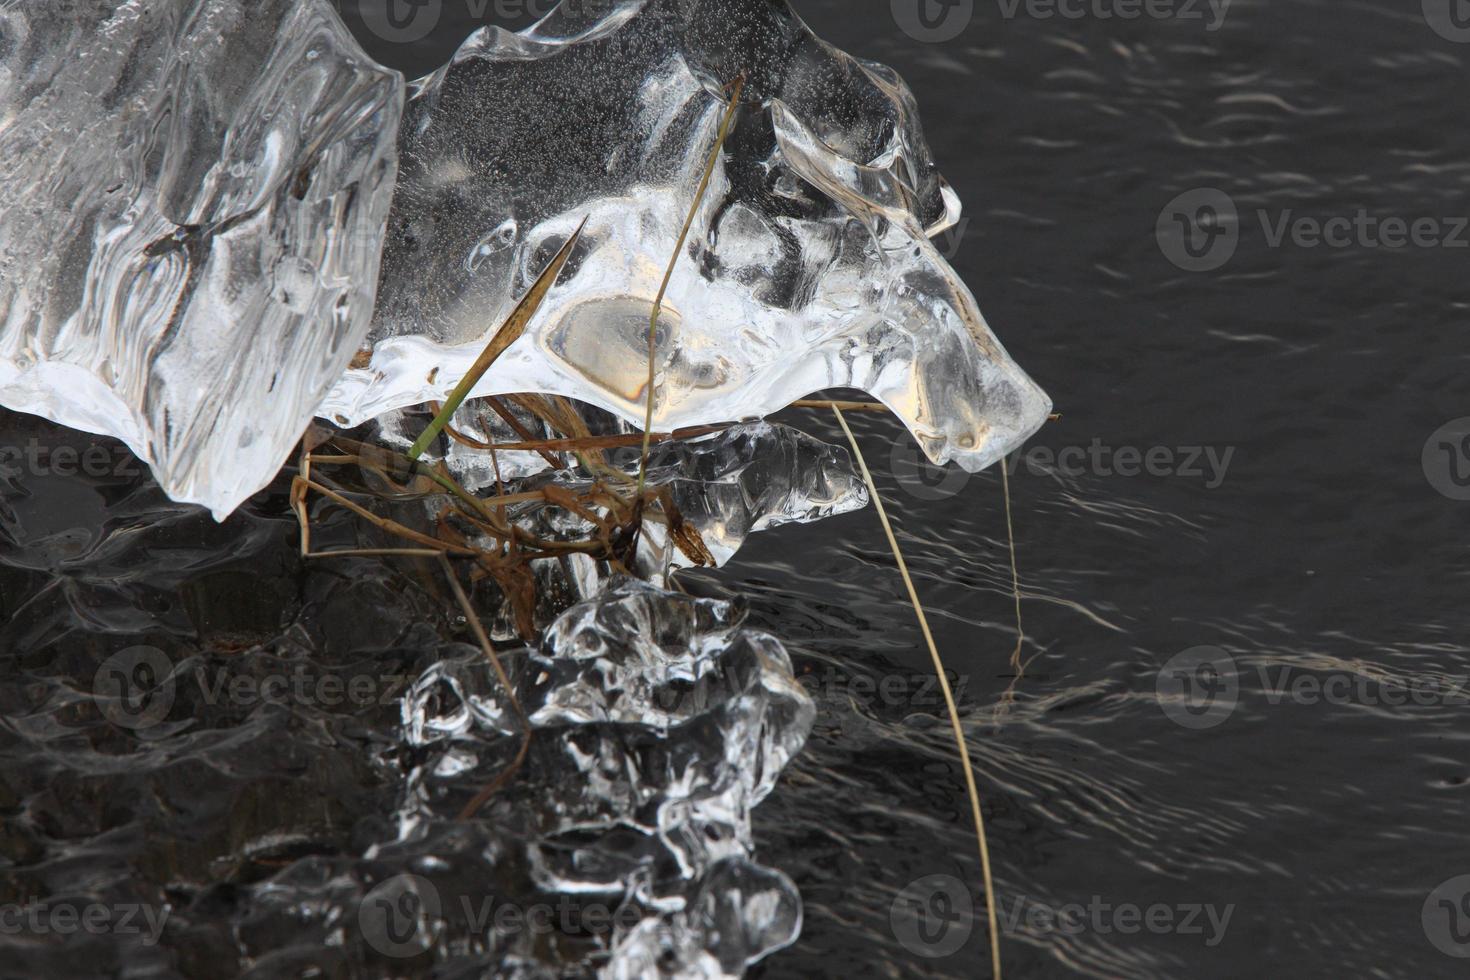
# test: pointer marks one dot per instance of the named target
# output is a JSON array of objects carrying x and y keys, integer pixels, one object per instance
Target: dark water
[
  {"x": 1325, "y": 822},
  {"x": 1301, "y": 520}
]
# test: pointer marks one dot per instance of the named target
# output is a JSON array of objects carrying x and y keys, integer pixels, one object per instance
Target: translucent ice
[
  {"x": 192, "y": 199},
  {"x": 194, "y": 192},
  {"x": 727, "y": 484},
  {"x": 661, "y": 721},
  {"x": 809, "y": 266}
]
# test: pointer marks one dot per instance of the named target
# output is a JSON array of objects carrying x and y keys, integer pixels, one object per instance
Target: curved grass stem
[{"x": 949, "y": 702}]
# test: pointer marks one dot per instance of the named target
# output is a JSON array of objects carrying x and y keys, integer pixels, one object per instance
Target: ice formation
[
  {"x": 192, "y": 201},
  {"x": 311, "y": 829},
  {"x": 191, "y": 223},
  {"x": 728, "y": 484},
  {"x": 661, "y": 721},
  {"x": 810, "y": 266}
]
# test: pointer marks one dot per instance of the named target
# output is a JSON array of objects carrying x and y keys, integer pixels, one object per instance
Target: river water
[{"x": 1232, "y": 244}]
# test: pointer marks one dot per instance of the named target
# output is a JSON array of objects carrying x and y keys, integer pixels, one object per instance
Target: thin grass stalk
[
  {"x": 949, "y": 702},
  {"x": 658, "y": 302},
  {"x": 1005, "y": 482},
  {"x": 473, "y": 619},
  {"x": 510, "y": 331}
]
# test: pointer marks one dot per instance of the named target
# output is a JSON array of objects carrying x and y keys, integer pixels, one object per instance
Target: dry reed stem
[
  {"x": 954, "y": 714},
  {"x": 510, "y": 331},
  {"x": 846, "y": 406},
  {"x": 1018, "y": 668},
  {"x": 299, "y": 487},
  {"x": 474, "y": 805},
  {"x": 658, "y": 302}
]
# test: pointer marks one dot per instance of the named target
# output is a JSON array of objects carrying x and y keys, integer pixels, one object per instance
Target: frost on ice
[
  {"x": 192, "y": 200},
  {"x": 809, "y": 266},
  {"x": 194, "y": 195}
]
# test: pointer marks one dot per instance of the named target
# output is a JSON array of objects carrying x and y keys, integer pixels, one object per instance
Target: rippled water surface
[{"x": 1248, "y": 461}]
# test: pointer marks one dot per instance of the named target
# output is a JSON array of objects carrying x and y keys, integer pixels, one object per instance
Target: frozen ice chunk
[
  {"x": 728, "y": 484},
  {"x": 809, "y": 266},
  {"x": 661, "y": 721},
  {"x": 192, "y": 201}
]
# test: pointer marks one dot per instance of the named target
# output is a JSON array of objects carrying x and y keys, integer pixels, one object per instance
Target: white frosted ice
[
  {"x": 194, "y": 192},
  {"x": 192, "y": 200},
  {"x": 809, "y": 266}
]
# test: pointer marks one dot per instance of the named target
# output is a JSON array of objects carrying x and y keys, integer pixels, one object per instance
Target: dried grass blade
[
  {"x": 510, "y": 331},
  {"x": 709, "y": 170},
  {"x": 949, "y": 702},
  {"x": 510, "y": 692}
]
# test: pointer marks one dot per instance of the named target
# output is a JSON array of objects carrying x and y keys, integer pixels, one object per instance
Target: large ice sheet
[
  {"x": 809, "y": 267},
  {"x": 192, "y": 201}
]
